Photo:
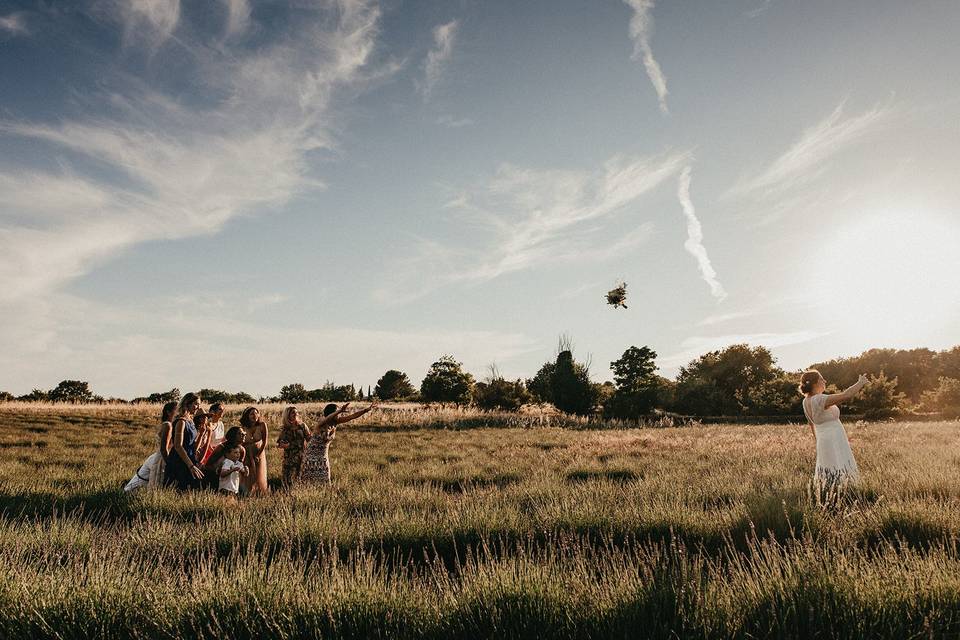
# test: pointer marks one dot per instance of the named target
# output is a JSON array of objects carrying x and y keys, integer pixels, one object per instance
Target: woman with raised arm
[
  {"x": 316, "y": 459},
  {"x": 835, "y": 463},
  {"x": 151, "y": 471},
  {"x": 255, "y": 445},
  {"x": 182, "y": 471}
]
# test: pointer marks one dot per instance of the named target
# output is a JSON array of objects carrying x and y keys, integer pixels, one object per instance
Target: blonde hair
[
  {"x": 808, "y": 380},
  {"x": 285, "y": 420}
]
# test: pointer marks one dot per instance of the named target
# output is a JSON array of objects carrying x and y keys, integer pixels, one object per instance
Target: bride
[{"x": 835, "y": 463}]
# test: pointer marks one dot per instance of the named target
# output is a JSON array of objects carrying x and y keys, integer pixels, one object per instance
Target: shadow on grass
[{"x": 611, "y": 475}]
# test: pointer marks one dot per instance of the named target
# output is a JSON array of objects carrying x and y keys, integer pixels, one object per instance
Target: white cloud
[
  {"x": 14, "y": 24},
  {"x": 129, "y": 351},
  {"x": 694, "y": 243},
  {"x": 533, "y": 217},
  {"x": 805, "y": 159},
  {"x": 176, "y": 170},
  {"x": 438, "y": 56},
  {"x": 641, "y": 28},
  {"x": 696, "y": 346}
]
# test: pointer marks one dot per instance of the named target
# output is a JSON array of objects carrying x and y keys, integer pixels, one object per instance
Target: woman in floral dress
[{"x": 316, "y": 459}]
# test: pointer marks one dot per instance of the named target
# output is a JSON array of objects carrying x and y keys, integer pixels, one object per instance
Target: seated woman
[
  {"x": 316, "y": 460},
  {"x": 150, "y": 473},
  {"x": 182, "y": 471},
  {"x": 234, "y": 438}
]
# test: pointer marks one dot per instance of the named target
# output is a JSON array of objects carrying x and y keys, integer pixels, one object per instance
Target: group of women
[{"x": 191, "y": 447}]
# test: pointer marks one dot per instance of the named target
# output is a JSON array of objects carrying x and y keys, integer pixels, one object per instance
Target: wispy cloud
[
  {"x": 454, "y": 123},
  {"x": 438, "y": 56},
  {"x": 238, "y": 16},
  {"x": 531, "y": 217},
  {"x": 44, "y": 344},
  {"x": 14, "y": 24},
  {"x": 149, "y": 22},
  {"x": 696, "y": 346},
  {"x": 694, "y": 243},
  {"x": 641, "y": 29},
  {"x": 174, "y": 169},
  {"x": 805, "y": 159},
  {"x": 759, "y": 10}
]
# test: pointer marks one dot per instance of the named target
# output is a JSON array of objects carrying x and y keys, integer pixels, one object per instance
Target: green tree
[
  {"x": 635, "y": 375},
  {"x": 945, "y": 398},
  {"x": 393, "y": 385},
  {"x": 74, "y": 391},
  {"x": 6, "y": 396},
  {"x": 293, "y": 393},
  {"x": 446, "y": 381},
  {"x": 541, "y": 384},
  {"x": 571, "y": 387},
  {"x": 879, "y": 399},
  {"x": 725, "y": 382}
]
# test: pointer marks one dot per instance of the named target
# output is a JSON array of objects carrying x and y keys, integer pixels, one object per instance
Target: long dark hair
[
  {"x": 245, "y": 420},
  {"x": 166, "y": 414}
]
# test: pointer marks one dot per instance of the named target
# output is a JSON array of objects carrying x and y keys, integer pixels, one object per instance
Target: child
[{"x": 230, "y": 471}]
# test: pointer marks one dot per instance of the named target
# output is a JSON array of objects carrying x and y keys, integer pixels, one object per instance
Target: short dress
[
  {"x": 316, "y": 458},
  {"x": 834, "y": 458}
]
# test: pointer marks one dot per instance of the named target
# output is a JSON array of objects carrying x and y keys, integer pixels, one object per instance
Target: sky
[{"x": 239, "y": 194}]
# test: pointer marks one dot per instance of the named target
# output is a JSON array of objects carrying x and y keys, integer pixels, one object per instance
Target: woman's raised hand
[{"x": 862, "y": 379}]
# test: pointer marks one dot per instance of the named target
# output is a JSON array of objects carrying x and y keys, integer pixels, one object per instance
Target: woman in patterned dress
[
  {"x": 255, "y": 444},
  {"x": 316, "y": 459},
  {"x": 293, "y": 439}
]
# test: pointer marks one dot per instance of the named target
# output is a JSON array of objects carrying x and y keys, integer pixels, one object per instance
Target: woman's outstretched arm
[
  {"x": 357, "y": 414},
  {"x": 847, "y": 394},
  {"x": 334, "y": 418}
]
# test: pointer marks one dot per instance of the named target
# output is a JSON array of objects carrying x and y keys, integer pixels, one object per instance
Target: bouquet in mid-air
[{"x": 617, "y": 297}]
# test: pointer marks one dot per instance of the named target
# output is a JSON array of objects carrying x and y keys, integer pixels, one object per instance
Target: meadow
[{"x": 462, "y": 524}]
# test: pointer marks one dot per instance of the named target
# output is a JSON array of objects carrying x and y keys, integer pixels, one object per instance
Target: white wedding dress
[{"x": 834, "y": 458}]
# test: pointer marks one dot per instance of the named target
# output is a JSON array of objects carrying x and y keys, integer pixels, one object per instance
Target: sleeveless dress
[
  {"x": 316, "y": 459},
  {"x": 177, "y": 474},
  {"x": 151, "y": 472},
  {"x": 835, "y": 461},
  {"x": 256, "y": 480}
]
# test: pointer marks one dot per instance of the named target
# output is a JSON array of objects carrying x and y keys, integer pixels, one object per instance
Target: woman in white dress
[
  {"x": 150, "y": 473},
  {"x": 835, "y": 463}
]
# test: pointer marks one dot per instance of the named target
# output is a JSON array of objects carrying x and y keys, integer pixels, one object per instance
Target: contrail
[
  {"x": 641, "y": 26},
  {"x": 694, "y": 243}
]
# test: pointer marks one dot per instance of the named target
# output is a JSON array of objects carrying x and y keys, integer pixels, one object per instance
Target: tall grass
[{"x": 483, "y": 532}]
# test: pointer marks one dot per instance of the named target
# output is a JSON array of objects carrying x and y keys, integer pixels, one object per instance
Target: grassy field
[{"x": 447, "y": 524}]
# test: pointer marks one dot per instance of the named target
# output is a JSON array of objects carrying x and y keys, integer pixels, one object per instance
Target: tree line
[{"x": 739, "y": 380}]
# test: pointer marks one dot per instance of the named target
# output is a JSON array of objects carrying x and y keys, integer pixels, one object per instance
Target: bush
[
  {"x": 293, "y": 393},
  {"x": 571, "y": 386},
  {"x": 446, "y": 381},
  {"x": 498, "y": 393}
]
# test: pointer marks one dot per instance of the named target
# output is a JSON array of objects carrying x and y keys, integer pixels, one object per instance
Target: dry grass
[{"x": 433, "y": 529}]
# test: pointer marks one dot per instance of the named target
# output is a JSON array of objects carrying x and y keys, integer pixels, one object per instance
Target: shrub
[
  {"x": 498, "y": 393},
  {"x": 879, "y": 399}
]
